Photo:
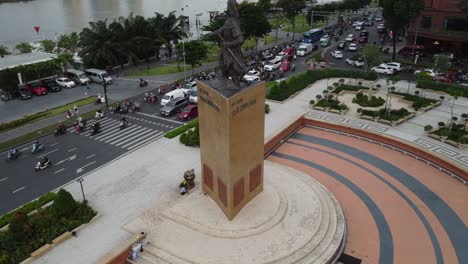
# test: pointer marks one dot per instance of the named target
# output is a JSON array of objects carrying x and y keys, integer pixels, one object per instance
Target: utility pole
[
  {"x": 104, "y": 85},
  {"x": 80, "y": 180}
]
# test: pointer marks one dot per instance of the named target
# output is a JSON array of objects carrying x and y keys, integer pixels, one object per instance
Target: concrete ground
[{"x": 127, "y": 187}]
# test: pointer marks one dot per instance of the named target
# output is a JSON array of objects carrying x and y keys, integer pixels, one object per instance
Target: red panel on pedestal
[
  {"x": 222, "y": 192},
  {"x": 255, "y": 177},
  {"x": 208, "y": 177},
  {"x": 238, "y": 192}
]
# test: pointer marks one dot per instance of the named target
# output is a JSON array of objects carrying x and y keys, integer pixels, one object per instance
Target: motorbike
[
  {"x": 37, "y": 147},
  {"x": 13, "y": 154},
  {"x": 98, "y": 115},
  {"x": 143, "y": 83},
  {"x": 136, "y": 108},
  {"x": 43, "y": 165},
  {"x": 60, "y": 131},
  {"x": 96, "y": 129},
  {"x": 123, "y": 124}
]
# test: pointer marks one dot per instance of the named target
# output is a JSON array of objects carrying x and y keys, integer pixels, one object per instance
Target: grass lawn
[{"x": 45, "y": 114}]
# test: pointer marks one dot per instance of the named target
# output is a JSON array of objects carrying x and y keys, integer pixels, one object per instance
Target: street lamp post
[
  {"x": 80, "y": 180},
  {"x": 185, "y": 66},
  {"x": 104, "y": 85}
]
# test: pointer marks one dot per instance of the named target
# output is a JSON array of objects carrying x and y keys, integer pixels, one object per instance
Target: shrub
[
  {"x": 191, "y": 137},
  {"x": 183, "y": 138},
  {"x": 336, "y": 84},
  {"x": 333, "y": 104},
  {"x": 290, "y": 86},
  {"x": 267, "y": 108},
  {"x": 444, "y": 87},
  {"x": 343, "y": 107},
  {"x": 364, "y": 100},
  {"x": 64, "y": 204},
  {"x": 359, "y": 110},
  {"x": 441, "y": 124},
  {"x": 428, "y": 128},
  {"x": 29, "y": 207},
  {"x": 312, "y": 102},
  {"x": 349, "y": 88},
  {"x": 177, "y": 131},
  {"x": 20, "y": 227}
]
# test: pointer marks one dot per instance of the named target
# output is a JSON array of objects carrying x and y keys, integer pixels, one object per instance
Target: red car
[
  {"x": 285, "y": 66},
  {"x": 289, "y": 51},
  {"x": 189, "y": 112},
  {"x": 362, "y": 40},
  {"x": 441, "y": 78},
  {"x": 36, "y": 88}
]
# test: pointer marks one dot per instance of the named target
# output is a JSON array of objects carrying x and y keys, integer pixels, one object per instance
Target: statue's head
[{"x": 232, "y": 9}]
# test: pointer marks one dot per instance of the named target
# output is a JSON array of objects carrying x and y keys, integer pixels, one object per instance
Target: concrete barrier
[{"x": 41, "y": 251}]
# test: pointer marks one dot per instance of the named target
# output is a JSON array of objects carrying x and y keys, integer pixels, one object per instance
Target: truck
[{"x": 304, "y": 49}]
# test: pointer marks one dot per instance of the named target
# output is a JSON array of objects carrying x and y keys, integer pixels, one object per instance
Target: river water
[{"x": 55, "y": 17}]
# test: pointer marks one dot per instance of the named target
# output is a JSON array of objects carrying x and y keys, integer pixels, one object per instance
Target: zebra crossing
[
  {"x": 151, "y": 122},
  {"x": 133, "y": 136}
]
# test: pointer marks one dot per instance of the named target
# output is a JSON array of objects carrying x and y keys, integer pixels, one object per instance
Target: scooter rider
[
  {"x": 143, "y": 82},
  {"x": 123, "y": 122},
  {"x": 13, "y": 153},
  {"x": 43, "y": 162},
  {"x": 36, "y": 146}
]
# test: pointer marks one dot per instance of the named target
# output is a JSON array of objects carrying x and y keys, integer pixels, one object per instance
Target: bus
[{"x": 312, "y": 35}]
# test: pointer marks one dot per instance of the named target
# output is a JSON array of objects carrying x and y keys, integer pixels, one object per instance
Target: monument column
[{"x": 232, "y": 125}]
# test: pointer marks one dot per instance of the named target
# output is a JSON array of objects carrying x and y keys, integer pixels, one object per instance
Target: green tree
[
  {"x": 291, "y": 9},
  {"x": 166, "y": 29},
  {"x": 24, "y": 47},
  {"x": 398, "y": 14},
  {"x": 4, "y": 51},
  {"x": 371, "y": 54},
  {"x": 64, "y": 204},
  {"x": 64, "y": 60},
  {"x": 442, "y": 63},
  {"x": 195, "y": 52},
  {"x": 253, "y": 22},
  {"x": 100, "y": 45},
  {"x": 48, "y": 45},
  {"x": 68, "y": 42},
  {"x": 214, "y": 24},
  {"x": 264, "y": 4},
  {"x": 20, "y": 226}
]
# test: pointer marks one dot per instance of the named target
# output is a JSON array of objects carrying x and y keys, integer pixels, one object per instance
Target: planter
[
  {"x": 41, "y": 251},
  {"x": 61, "y": 238},
  {"x": 383, "y": 121}
]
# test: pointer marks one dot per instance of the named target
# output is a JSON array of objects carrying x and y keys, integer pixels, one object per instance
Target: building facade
[{"x": 441, "y": 27}]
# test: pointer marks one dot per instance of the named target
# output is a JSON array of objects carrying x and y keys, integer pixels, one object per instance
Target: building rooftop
[{"x": 12, "y": 61}]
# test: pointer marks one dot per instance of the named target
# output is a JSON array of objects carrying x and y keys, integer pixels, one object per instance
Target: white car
[
  {"x": 252, "y": 76},
  {"x": 193, "y": 98},
  {"x": 383, "y": 70},
  {"x": 352, "y": 47},
  {"x": 358, "y": 28},
  {"x": 272, "y": 65},
  {"x": 393, "y": 65},
  {"x": 355, "y": 62},
  {"x": 429, "y": 72},
  {"x": 65, "y": 82},
  {"x": 350, "y": 38},
  {"x": 336, "y": 54}
]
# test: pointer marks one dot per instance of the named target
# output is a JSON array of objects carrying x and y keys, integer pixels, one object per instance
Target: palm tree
[
  {"x": 24, "y": 47},
  {"x": 166, "y": 29},
  {"x": 68, "y": 42},
  {"x": 4, "y": 51},
  {"x": 64, "y": 59},
  {"x": 100, "y": 45},
  {"x": 48, "y": 45}
]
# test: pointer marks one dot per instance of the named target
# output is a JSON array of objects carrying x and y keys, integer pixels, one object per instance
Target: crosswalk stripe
[
  {"x": 137, "y": 140},
  {"x": 104, "y": 128},
  {"x": 133, "y": 134},
  {"x": 118, "y": 133},
  {"x": 158, "y": 135}
]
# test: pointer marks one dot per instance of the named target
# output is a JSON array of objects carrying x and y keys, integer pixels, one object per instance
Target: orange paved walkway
[{"x": 398, "y": 209}]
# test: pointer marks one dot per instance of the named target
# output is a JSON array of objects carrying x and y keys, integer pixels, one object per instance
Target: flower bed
[
  {"x": 27, "y": 233},
  {"x": 364, "y": 100},
  {"x": 418, "y": 101}
]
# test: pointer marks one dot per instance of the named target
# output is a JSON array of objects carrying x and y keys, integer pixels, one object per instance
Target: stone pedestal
[{"x": 232, "y": 127}]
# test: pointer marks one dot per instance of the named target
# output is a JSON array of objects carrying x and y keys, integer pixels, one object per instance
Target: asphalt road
[{"x": 74, "y": 155}]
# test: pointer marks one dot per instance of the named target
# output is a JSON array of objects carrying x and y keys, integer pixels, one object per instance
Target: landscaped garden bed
[
  {"x": 366, "y": 101},
  {"x": 418, "y": 101},
  {"x": 392, "y": 117},
  {"x": 456, "y": 135},
  {"x": 28, "y": 233}
]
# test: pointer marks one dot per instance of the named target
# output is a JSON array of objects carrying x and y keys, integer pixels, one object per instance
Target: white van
[
  {"x": 77, "y": 76},
  {"x": 304, "y": 49},
  {"x": 173, "y": 94},
  {"x": 98, "y": 76}
]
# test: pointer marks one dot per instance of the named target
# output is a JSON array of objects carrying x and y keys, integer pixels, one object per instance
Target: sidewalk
[
  {"x": 26, "y": 129},
  {"x": 123, "y": 189}
]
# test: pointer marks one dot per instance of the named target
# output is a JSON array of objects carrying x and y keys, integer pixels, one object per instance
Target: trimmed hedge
[
  {"x": 364, "y": 100},
  {"x": 177, "y": 131},
  {"x": 418, "y": 101},
  {"x": 191, "y": 137},
  {"x": 284, "y": 89},
  {"x": 457, "y": 134},
  {"x": 394, "y": 115},
  {"x": 29, "y": 207},
  {"x": 444, "y": 87},
  {"x": 349, "y": 88}
]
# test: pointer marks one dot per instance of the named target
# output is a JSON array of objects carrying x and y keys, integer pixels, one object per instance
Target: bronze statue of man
[{"x": 230, "y": 58}]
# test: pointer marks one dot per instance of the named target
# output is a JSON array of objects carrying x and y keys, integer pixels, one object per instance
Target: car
[
  {"x": 24, "y": 94},
  {"x": 289, "y": 51},
  {"x": 251, "y": 64},
  {"x": 189, "y": 112},
  {"x": 350, "y": 38},
  {"x": 190, "y": 85},
  {"x": 394, "y": 65},
  {"x": 341, "y": 45},
  {"x": 355, "y": 61},
  {"x": 336, "y": 54},
  {"x": 36, "y": 88},
  {"x": 429, "y": 72},
  {"x": 272, "y": 65},
  {"x": 381, "y": 26},
  {"x": 352, "y": 47},
  {"x": 362, "y": 40},
  {"x": 51, "y": 85},
  {"x": 441, "y": 78},
  {"x": 65, "y": 82},
  {"x": 378, "y": 19},
  {"x": 285, "y": 66},
  {"x": 252, "y": 76},
  {"x": 358, "y": 28},
  {"x": 174, "y": 106},
  {"x": 364, "y": 33},
  {"x": 383, "y": 70},
  {"x": 193, "y": 98},
  {"x": 369, "y": 23}
]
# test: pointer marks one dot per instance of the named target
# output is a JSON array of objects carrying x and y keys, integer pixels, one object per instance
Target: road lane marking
[
  {"x": 69, "y": 158},
  {"x": 51, "y": 145},
  {"x": 17, "y": 190},
  {"x": 55, "y": 172},
  {"x": 73, "y": 149},
  {"x": 3, "y": 179},
  {"x": 24, "y": 149},
  {"x": 157, "y": 117},
  {"x": 47, "y": 153},
  {"x": 82, "y": 168},
  {"x": 90, "y": 156}
]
